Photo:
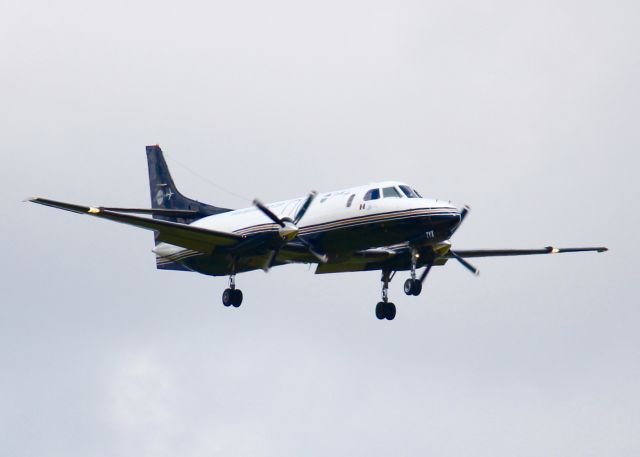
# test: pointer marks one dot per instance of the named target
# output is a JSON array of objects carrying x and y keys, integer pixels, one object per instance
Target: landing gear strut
[
  {"x": 413, "y": 286},
  {"x": 386, "y": 309},
  {"x": 232, "y": 296}
]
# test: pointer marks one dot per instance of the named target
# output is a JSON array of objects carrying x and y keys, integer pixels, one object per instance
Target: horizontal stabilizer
[{"x": 187, "y": 236}]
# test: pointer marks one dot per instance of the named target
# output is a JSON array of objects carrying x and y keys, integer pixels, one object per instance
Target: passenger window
[
  {"x": 390, "y": 192},
  {"x": 350, "y": 200},
  {"x": 372, "y": 194}
]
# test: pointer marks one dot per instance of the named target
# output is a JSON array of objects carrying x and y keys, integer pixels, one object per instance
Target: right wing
[
  {"x": 187, "y": 236},
  {"x": 398, "y": 257},
  {"x": 511, "y": 252}
]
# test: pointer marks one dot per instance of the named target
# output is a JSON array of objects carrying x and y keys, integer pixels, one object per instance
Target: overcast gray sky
[{"x": 527, "y": 111}]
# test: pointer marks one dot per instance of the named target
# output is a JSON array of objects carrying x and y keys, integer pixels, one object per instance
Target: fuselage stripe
[
  {"x": 373, "y": 218},
  {"x": 177, "y": 256}
]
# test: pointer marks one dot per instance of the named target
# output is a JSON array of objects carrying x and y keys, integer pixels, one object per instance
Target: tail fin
[{"x": 165, "y": 195}]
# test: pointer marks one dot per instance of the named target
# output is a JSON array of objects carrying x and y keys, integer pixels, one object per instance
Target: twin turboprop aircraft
[{"x": 386, "y": 226}]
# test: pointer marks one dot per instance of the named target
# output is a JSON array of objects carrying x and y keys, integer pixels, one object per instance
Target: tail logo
[{"x": 161, "y": 195}]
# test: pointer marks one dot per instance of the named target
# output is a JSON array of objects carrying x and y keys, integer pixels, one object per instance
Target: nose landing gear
[
  {"x": 385, "y": 309},
  {"x": 413, "y": 285},
  {"x": 232, "y": 296}
]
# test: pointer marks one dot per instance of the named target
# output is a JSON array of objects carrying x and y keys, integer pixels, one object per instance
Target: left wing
[{"x": 187, "y": 236}]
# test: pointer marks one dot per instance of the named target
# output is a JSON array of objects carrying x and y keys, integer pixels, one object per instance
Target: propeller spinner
[{"x": 289, "y": 230}]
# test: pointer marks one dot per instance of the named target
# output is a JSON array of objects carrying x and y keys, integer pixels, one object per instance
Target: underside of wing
[
  {"x": 399, "y": 257},
  {"x": 187, "y": 236}
]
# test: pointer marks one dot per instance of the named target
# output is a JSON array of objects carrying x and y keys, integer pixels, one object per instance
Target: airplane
[{"x": 384, "y": 226}]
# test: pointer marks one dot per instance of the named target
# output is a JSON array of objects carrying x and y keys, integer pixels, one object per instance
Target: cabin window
[
  {"x": 409, "y": 192},
  {"x": 372, "y": 194},
  {"x": 390, "y": 192},
  {"x": 350, "y": 200}
]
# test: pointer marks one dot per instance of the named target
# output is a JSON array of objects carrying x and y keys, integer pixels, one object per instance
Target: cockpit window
[
  {"x": 417, "y": 193},
  {"x": 390, "y": 192},
  {"x": 409, "y": 192},
  {"x": 372, "y": 194}
]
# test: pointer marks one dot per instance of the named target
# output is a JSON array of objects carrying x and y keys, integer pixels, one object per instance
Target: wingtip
[{"x": 602, "y": 249}]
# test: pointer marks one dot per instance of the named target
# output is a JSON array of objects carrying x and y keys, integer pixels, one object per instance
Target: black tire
[
  {"x": 408, "y": 286},
  {"x": 380, "y": 310},
  {"x": 390, "y": 311},
  {"x": 227, "y": 297},
  {"x": 236, "y": 297},
  {"x": 417, "y": 287}
]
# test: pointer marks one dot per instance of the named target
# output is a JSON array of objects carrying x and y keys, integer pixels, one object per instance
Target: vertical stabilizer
[{"x": 165, "y": 194}]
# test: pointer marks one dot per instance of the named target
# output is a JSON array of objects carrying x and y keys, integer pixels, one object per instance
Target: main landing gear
[
  {"x": 386, "y": 309},
  {"x": 232, "y": 296}
]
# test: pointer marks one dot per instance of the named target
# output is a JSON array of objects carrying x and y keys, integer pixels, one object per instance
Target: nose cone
[
  {"x": 454, "y": 219},
  {"x": 448, "y": 217},
  {"x": 461, "y": 213}
]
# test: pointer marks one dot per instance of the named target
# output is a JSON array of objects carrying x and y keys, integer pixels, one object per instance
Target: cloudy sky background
[{"x": 527, "y": 111}]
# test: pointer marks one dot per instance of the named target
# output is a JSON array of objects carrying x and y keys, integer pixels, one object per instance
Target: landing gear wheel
[
  {"x": 380, "y": 310},
  {"x": 389, "y": 311},
  {"x": 412, "y": 287},
  {"x": 236, "y": 297},
  {"x": 408, "y": 286},
  {"x": 227, "y": 297}
]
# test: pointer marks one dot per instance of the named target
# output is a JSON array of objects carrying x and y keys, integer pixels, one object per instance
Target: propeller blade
[
  {"x": 321, "y": 257},
  {"x": 267, "y": 212},
  {"x": 464, "y": 212},
  {"x": 466, "y": 264},
  {"x": 305, "y": 206},
  {"x": 426, "y": 271},
  {"x": 271, "y": 260}
]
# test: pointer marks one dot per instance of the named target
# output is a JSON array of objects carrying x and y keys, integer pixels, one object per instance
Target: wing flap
[{"x": 196, "y": 238}]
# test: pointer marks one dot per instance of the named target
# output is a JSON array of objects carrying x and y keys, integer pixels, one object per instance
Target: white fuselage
[
  {"x": 326, "y": 208},
  {"x": 329, "y": 211}
]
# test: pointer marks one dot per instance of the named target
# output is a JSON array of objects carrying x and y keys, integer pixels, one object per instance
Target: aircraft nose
[
  {"x": 456, "y": 219},
  {"x": 448, "y": 218},
  {"x": 460, "y": 213}
]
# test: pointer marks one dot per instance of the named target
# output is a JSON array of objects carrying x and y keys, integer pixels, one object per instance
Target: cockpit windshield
[
  {"x": 409, "y": 192},
  {"x": 390, "y": 192}
]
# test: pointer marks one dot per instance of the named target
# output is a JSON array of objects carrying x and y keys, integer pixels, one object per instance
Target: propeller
[
  {"x": 464, "y": 212},
  {"x": 467, "y": 265},
  {"x": 289, "y": 229},
  {"x": 464, "y": 263}
]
